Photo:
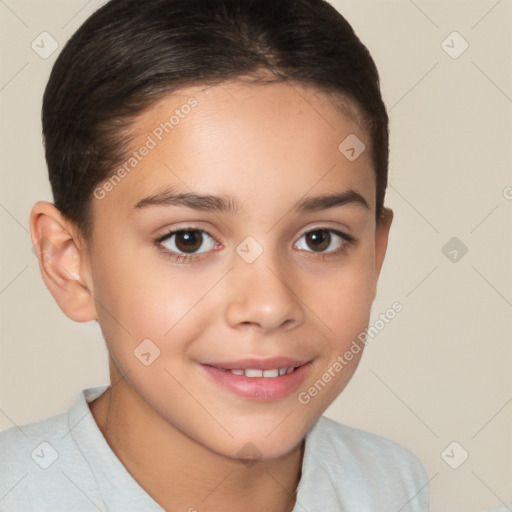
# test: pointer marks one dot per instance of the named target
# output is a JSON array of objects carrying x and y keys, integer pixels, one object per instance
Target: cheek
[
  {"x": 342, "y": 303},
  {"x": 342, "y": 298},
  {"x": 127, "y": 298},
  {"x": 144, "y": 297}
]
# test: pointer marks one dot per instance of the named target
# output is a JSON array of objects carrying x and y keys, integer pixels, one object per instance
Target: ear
[
  {"x": 381, "y": 239},
  {"x": 63, "y": 262}
]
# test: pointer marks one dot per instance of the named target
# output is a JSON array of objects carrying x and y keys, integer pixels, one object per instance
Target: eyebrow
[{"x": 223, "y": 203}]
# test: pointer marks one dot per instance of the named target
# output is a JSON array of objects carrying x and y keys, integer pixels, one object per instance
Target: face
[{"x": 211, "y": 252}]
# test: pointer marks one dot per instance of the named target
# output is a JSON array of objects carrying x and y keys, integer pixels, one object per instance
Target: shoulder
[
  {"x": 39, "y": 463},
  {"x": 21, "y": 446},
  {"x": 362, "y": 445},
  {"x": 365, "y": 468},
  {"x": 65, "y": 463}
]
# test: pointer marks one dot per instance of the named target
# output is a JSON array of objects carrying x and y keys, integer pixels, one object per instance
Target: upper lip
[{"x": 258, "y": 363}]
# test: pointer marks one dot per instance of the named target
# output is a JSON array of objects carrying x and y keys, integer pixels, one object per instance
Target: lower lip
[{"x": 259, "y": 388}]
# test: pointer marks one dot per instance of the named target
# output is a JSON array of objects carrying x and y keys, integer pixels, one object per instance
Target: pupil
[
  {"x": 320, "y": 239},
  {"x": 188, "y": 241}
]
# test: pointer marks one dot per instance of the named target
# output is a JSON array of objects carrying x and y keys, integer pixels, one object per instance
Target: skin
[{"x": 174, "y": 429}]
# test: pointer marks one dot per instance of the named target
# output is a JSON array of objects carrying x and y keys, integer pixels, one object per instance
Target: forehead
[{"x": 249, "y": 141}]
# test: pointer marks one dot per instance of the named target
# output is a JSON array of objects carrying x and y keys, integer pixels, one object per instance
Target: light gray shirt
[{"x": 64, "y": 463}]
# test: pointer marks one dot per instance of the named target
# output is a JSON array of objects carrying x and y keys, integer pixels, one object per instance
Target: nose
[{"x": 261, "y": 295}]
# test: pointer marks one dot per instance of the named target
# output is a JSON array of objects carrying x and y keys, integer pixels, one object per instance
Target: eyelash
[{"x": 348, "y": 241}]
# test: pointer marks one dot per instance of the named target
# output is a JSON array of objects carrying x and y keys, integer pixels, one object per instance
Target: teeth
[{"x": 253, "y": 372}]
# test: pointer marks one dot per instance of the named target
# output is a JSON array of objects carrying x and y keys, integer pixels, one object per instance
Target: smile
[
  {"x": 258, "y": 384},
  {"x": 253, "y": 372}
]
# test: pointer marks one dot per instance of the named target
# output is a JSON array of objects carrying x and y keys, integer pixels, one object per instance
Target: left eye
[
  {"x": 324, "y": 240},
  {"x": 187, "y": 241}
]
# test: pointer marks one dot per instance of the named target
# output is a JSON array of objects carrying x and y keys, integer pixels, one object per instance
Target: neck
[{"x": 181, "y": 474}]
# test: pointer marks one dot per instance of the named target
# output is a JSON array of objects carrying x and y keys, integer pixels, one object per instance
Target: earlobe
[{"x": 63, "y": 262}]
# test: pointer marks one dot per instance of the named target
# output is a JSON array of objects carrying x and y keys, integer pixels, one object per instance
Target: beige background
[{"x": 440, "y": 371}]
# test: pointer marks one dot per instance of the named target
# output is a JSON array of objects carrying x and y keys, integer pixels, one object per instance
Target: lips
[{"x": 259, "y": 379}]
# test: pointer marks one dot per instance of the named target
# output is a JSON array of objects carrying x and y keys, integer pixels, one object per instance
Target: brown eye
[
  {"x": 187, "y": 241},
  {"x": 318, "y": 240},
  {"x": 325, "y": 240}
]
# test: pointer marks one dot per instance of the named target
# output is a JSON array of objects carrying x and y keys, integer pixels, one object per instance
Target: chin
[
  {"x": 264, "y": 443},
  {"x": 251, "y": 451}
]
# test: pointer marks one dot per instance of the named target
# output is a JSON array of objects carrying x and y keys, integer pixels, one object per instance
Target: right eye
[{"x": 184, "y": 243}]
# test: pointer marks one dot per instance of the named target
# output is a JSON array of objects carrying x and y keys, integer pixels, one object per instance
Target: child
[{"x": 219, "y": 170}]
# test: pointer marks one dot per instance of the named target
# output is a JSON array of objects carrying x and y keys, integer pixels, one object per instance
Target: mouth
[
  {"x": 252, "y": 373},
  {"x": 259, "y": 380}
]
